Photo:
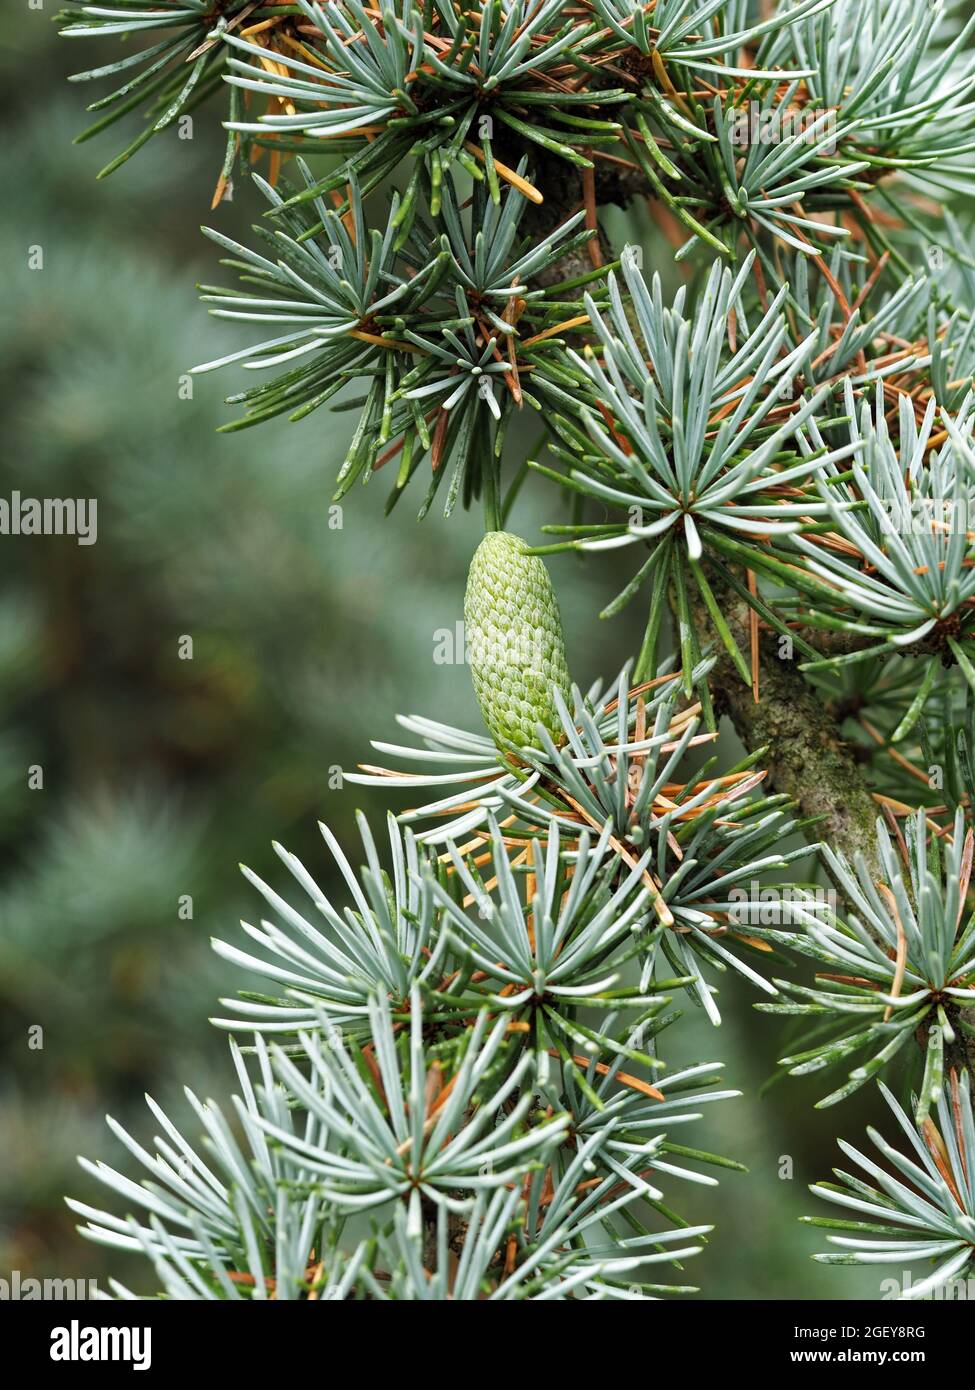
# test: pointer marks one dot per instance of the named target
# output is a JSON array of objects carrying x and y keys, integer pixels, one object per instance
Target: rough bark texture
[
  {"x": 807, "y": 758},
  {"x": 562, "y": 189}
]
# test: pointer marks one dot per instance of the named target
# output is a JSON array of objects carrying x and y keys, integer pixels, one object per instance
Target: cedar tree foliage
[{"x": 456, "y": 1084}]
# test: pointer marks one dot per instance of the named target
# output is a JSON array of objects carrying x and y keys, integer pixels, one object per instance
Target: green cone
[{"x": 514, "y": 635}]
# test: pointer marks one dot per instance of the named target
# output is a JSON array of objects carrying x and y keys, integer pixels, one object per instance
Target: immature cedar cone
[{"x": 514, "y": 635}]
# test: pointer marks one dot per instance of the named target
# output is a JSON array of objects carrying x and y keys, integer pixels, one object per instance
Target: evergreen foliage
[{"x": 459, "y": 1088}]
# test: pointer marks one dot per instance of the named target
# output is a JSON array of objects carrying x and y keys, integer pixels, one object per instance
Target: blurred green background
[{"x": 160, "y": 774}]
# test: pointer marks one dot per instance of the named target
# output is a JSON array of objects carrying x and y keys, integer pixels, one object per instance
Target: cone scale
[{"x": 514, "y": 636}]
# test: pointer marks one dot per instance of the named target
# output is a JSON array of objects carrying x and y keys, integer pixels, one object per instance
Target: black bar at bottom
[{"x": 67, "y": 1339}]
